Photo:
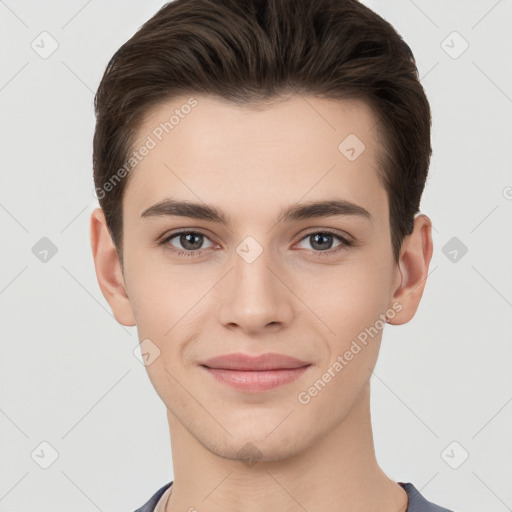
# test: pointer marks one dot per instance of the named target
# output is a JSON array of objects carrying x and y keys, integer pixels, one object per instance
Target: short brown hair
[{"x": 252, "y": 51}]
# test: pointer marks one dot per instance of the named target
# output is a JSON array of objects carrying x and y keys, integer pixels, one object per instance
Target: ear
[
  {"x": 108, "y": 269},
  {"x": 414, "y": 262}
]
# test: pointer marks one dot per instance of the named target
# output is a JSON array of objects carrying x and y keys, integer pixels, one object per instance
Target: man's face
[{"x": 259, "y": 284}]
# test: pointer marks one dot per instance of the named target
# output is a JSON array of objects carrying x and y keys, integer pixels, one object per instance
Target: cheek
[
  {"x": 350, "y": 304},
  {"x": 162, "y": 293},
  {"x": 171, "y": 307},
  {"x": 348, "y": 297}
]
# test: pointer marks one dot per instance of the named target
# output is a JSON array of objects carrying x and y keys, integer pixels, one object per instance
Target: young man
[{"x": 259, "y": 166}]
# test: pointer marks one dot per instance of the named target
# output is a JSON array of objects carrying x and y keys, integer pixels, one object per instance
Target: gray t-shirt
[{"x": 417, "y": 503}]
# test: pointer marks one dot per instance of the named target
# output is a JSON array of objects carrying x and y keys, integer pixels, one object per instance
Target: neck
[{"x": 337, "y": 473}]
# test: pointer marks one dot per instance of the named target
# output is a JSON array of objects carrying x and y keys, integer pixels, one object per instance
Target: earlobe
[
  {"x": 108, "y": 269},
  {"x": 413, "y": 264}
]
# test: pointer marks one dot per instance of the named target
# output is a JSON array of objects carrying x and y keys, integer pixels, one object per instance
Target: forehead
[{"x": 300, "y": 147}]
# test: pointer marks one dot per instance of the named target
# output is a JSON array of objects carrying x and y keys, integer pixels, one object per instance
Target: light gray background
[{"x": 68, "y": 375}]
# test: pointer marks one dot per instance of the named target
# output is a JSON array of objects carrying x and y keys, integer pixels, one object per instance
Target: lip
[
  {"x": 268, "y": 361},
  {"x": 255, "y": 374}
]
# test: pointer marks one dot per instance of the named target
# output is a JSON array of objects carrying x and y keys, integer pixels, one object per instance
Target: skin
[{"x": 252, "y": 163}]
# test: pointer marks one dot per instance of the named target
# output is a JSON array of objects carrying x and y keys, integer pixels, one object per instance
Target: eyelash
[{"x": 193, "y": 254}]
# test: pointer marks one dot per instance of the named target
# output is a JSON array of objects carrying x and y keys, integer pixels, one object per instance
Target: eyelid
[
  {"x": 180, "y": 231},
  {"x": 332, "y": 231},
  {"x": 165, "y": 239}
]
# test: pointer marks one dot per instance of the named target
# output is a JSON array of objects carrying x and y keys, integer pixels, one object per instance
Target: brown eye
[
  {"x": 190, "y": 242},
  {"x": 322, "y": 241}
]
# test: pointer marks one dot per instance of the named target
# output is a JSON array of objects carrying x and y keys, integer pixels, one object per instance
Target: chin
[{"x": 250, "y": 446}]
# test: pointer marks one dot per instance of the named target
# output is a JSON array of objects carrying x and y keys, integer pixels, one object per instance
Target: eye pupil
[
  {"x": 185, "y": 240},
  {"x": 322, "y": 239}
]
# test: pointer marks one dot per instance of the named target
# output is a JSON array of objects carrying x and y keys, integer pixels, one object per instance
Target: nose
[{"x": 256, "y": 296}]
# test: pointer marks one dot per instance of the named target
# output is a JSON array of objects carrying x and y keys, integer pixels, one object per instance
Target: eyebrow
[{"x": 329, "y": 208}]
